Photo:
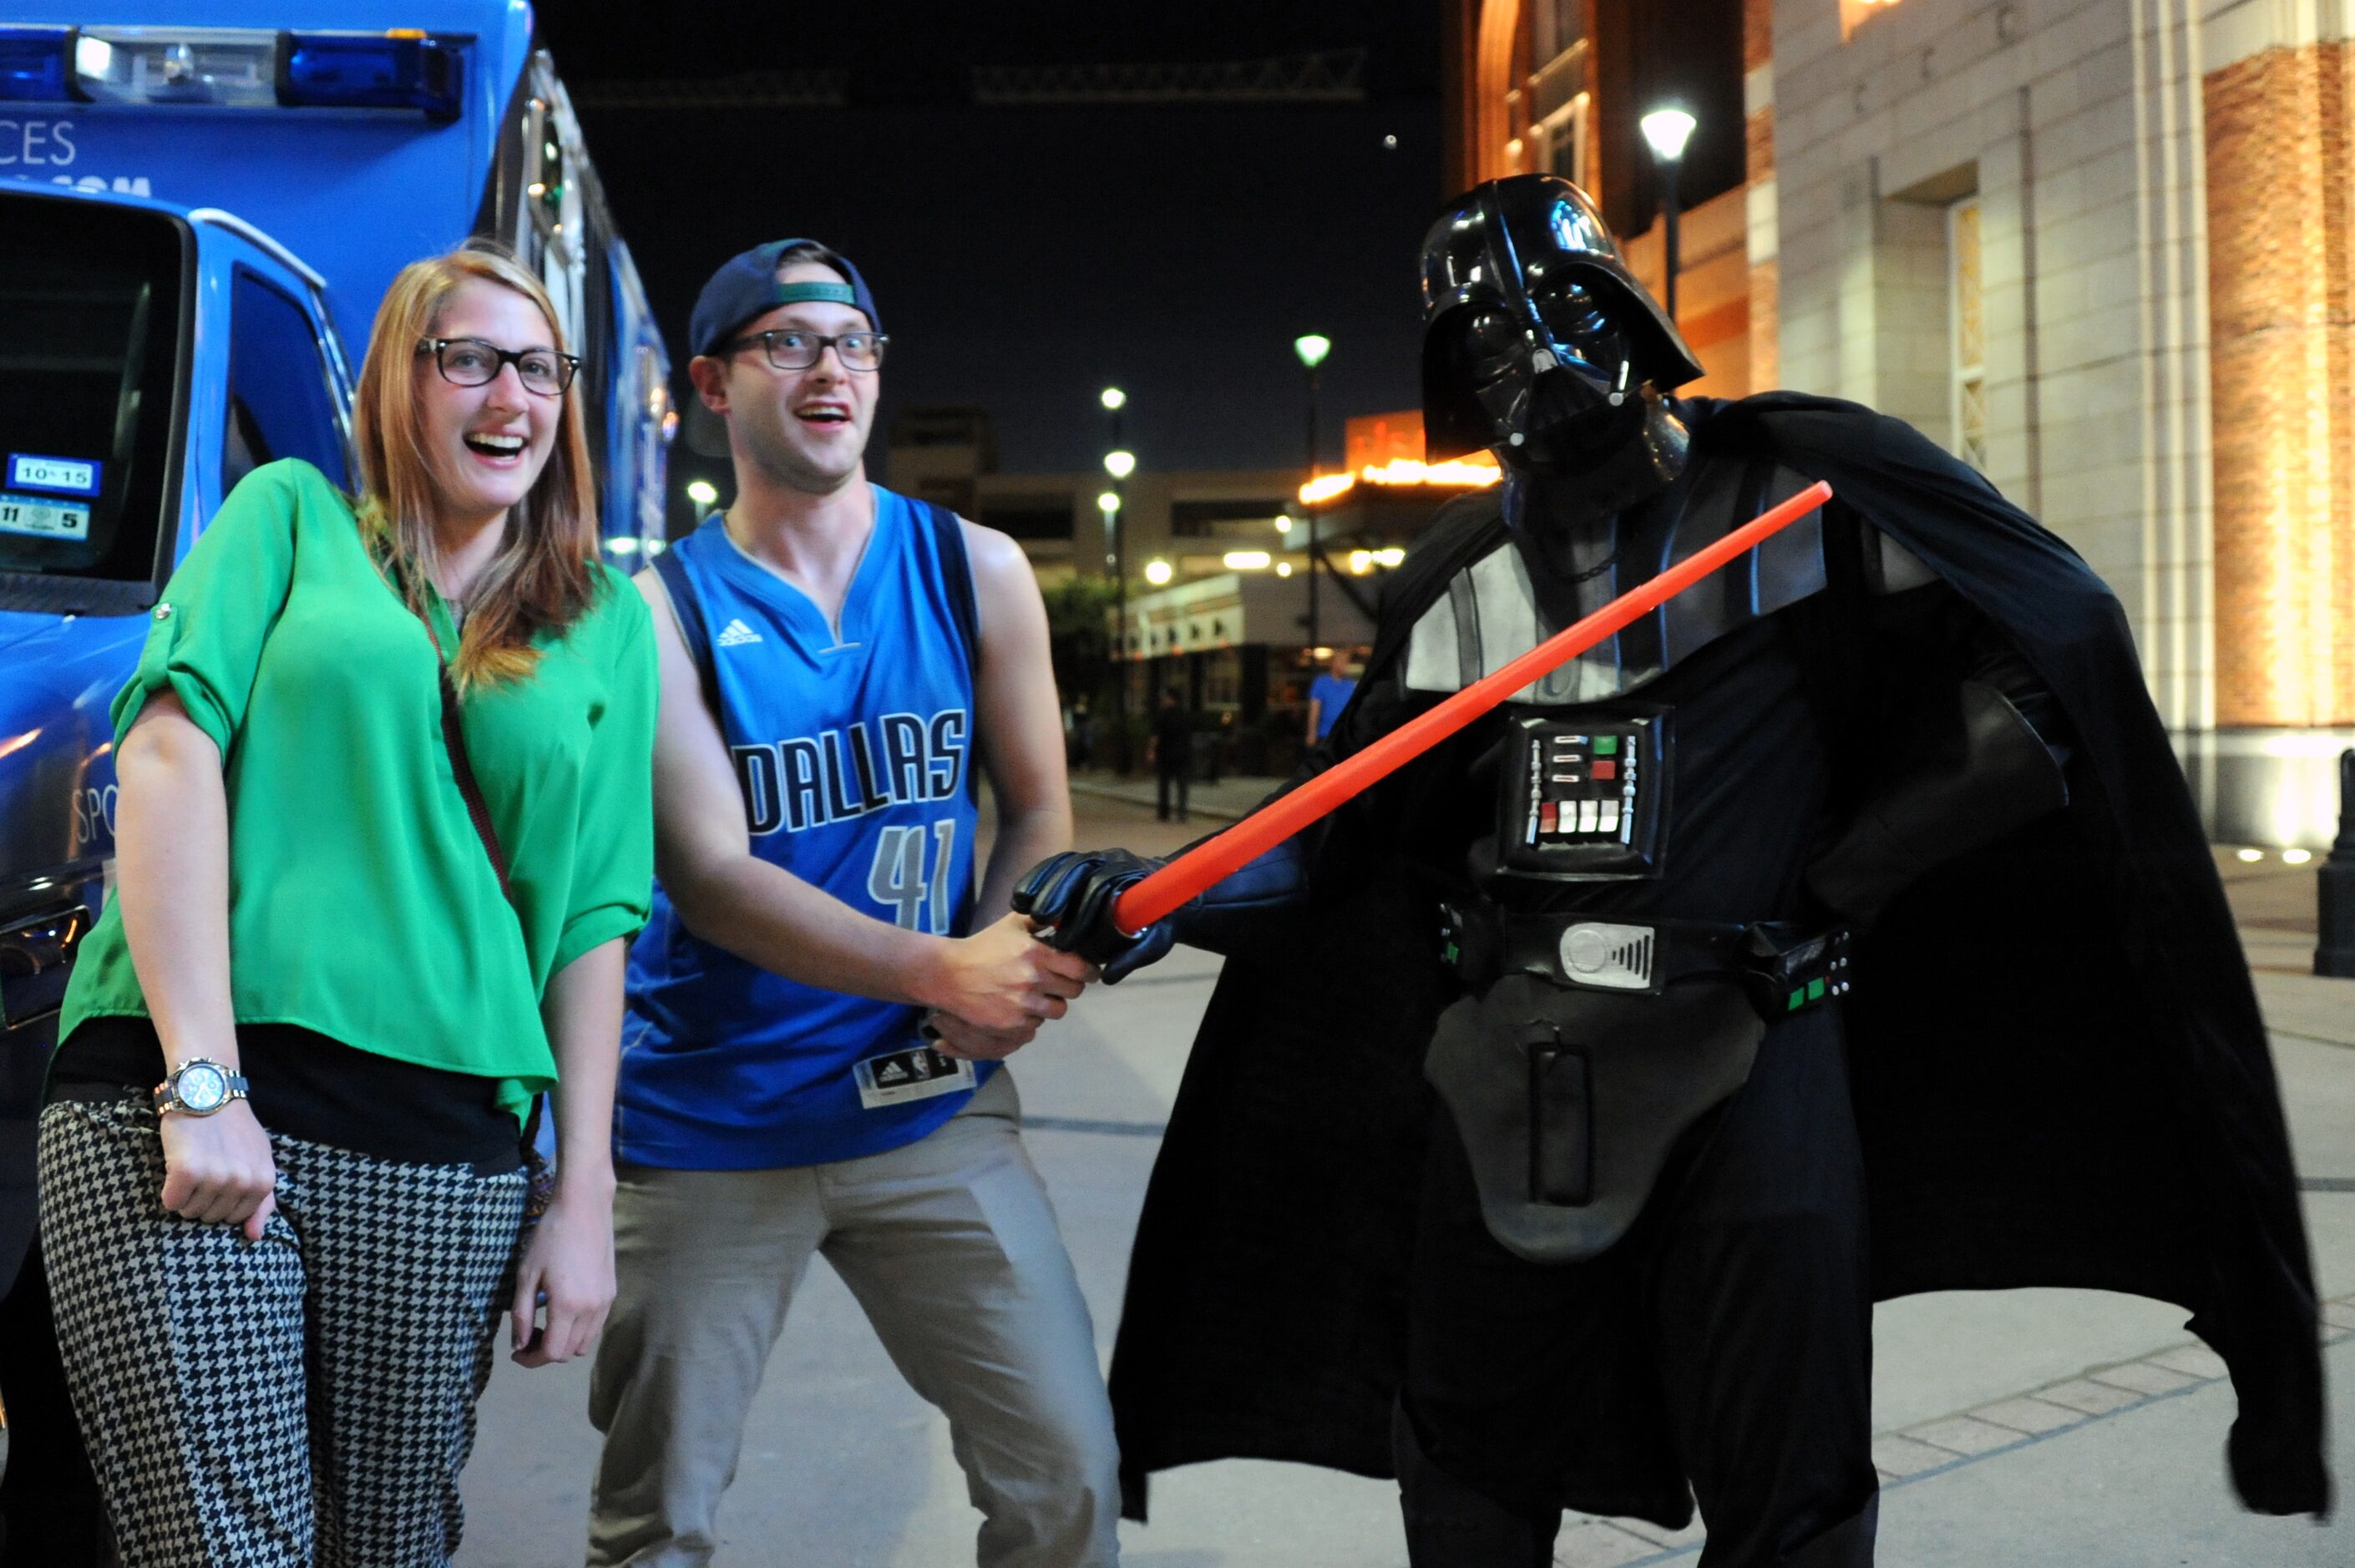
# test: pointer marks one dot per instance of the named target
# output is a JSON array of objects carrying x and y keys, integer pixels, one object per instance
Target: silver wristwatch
[{"x": 199, "y": 1087}]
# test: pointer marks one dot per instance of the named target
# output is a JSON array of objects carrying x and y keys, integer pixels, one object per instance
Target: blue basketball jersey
[{"x": 855, "y": 750}]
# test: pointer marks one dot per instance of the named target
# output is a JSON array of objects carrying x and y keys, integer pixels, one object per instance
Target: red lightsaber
[{"x": 1216, "y": 859}]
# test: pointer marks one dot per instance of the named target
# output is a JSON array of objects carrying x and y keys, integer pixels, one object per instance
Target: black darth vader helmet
[{"x": 1535, "y": 332}]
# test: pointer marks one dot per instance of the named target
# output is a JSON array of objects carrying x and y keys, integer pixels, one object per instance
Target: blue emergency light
[
  {"x": 37, "y": 65},
  {"x": 383, "y": 71}
]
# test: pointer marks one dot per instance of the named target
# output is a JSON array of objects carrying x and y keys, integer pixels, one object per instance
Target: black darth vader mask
[{"x": 1538, "y": 341}]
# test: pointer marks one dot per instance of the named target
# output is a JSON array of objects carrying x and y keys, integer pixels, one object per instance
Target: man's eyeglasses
[
  {"x": 471, "y": 362},
  {"x": 791, "y": 348}
]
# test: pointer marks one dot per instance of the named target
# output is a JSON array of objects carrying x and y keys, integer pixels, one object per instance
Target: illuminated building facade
[{"x": 2104, "y": 249}]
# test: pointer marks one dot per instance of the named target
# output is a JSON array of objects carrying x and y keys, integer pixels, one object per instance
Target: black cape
[{"x": 2061, "y": 1076}]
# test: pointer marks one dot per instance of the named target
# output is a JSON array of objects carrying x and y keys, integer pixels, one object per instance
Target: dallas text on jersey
[{"x": 811, "y": 781}]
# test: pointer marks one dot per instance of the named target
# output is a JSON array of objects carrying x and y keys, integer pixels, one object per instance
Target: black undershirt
[{"x": 307, "y": 1086}]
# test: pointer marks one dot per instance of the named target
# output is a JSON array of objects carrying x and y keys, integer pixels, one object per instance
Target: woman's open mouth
[{"x": 494, "y": 448}]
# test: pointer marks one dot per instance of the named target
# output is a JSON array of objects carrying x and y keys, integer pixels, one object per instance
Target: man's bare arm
[
  {"x": 1017, "y": 719},
  {"x": 998, "y": 978}
]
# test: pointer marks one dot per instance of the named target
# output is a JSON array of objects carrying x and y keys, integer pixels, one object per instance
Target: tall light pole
[
  {"x": 1120, "y": 465},
  {"x": 1312, "y": 350},
  {"x": 1114, "y": 401},
  {"x": 1667, "y": 130}
]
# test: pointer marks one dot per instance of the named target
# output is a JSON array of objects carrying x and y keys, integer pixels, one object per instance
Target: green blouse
[{"x": 361, "y": 903}]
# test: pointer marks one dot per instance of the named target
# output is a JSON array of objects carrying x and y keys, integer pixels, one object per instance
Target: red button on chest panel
[{"x": 1604, "y": 768}]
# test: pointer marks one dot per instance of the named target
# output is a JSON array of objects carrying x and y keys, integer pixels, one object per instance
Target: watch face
[{"x": 201, "y": 1087}]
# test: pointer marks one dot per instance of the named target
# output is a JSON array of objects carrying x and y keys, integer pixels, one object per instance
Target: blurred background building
[{"x": 2102, "y": 249}]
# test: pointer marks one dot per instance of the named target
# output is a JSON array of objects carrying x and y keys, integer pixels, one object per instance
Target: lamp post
[
  {"x": 1312, "y": 350},
  {"x": 2334, "y": 949},
  {"x": 1120, "y": 465},
  {"x": 705, "y": 495},
  {"x": 1114, "y": 401},
  {"x": 1667, "y": 130}
]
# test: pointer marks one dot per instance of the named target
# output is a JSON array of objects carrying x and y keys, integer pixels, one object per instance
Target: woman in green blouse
[{"x": 281, "y": 1179}]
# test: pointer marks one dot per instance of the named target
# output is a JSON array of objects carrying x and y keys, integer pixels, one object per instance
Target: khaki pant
[{"x": 950, "y": 1246}]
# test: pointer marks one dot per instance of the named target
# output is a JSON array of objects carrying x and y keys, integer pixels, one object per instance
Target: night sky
[{"x": 1024, "y": 257}]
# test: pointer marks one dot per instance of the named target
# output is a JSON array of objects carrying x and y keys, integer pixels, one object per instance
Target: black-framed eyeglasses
[
  {"x": 471, "y": 362},
  {"x": 792, "y": 348}
]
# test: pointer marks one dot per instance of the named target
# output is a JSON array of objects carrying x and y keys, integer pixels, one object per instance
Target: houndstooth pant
[{"x": 305, "y": 1401}]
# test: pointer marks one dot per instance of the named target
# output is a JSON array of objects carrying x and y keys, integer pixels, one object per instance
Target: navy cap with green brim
[{"x": 746, "y": 288}]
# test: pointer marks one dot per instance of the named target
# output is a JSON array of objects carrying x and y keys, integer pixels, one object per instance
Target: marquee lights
[{"x": 1398, "y": 472}]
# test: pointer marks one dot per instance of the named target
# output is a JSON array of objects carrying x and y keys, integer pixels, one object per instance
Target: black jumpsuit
[{"x": 1739, "y": 1304}]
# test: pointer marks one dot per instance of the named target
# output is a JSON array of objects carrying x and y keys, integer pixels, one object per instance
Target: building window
[
  {"x": 1563, "y": 139},
  {"x": 1563, "y": 24},
  {"x": 1967, "y": 332}
]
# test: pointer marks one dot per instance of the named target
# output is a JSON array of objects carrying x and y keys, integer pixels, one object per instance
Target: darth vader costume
[{"x": 1840, "y": 930}]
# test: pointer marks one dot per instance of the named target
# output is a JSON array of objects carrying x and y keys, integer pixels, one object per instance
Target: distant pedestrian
[
  {"x": 1083, "y": 732},
  {"x": 819, "y": 1005},
  {"x": 384, "y": 838},
  {"x": 1170, "y": 749},
  {"x": 1327, "y": 695}
]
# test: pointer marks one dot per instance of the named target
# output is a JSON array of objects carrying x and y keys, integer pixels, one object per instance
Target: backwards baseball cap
[{"x": 746, "y": 286}]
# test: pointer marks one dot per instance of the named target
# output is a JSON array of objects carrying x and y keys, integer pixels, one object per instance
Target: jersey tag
[{"x": 918, "y": 1073}]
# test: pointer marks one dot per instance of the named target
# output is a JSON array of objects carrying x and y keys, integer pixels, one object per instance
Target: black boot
[{"x": 1451, "y": 1525}]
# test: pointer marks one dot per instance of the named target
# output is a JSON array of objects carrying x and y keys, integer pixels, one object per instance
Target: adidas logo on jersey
[{"x": 735, "y": 634}]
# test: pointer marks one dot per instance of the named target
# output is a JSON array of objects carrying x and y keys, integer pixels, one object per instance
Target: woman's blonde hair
[{"x": 542, "y": 579}]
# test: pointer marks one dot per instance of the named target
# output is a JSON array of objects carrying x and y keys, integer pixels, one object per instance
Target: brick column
[{"x": 2281, "y": 191}]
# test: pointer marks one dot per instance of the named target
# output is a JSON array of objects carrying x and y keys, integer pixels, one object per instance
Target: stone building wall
[
  {"x": 1758, "y": 111},
  {"x": 2166, "y": 196}
]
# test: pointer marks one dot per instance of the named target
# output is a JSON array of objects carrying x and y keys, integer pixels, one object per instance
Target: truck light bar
[
  {"x": 361, "y": 71},
  {"x": 37, "y": 65},
  {"x": 235, "y": 67}
]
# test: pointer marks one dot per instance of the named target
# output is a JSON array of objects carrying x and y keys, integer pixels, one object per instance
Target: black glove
[{"x": 1071, "y": 895}]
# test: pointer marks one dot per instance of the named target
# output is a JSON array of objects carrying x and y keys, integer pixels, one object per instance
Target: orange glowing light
[{"x": 1466, "y": 473}]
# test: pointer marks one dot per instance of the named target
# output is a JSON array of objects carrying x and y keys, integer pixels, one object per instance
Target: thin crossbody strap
[
  {"x": 540, "y": 1184},
  {"x": 453, "y": 737}
]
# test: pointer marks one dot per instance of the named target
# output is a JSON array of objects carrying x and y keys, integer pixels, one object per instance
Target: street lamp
[
  {"x": 1667, "y": 130},
  {"x": 704, "y": 496},
  {"x": 1311, "y": 348},
  {"x": 1113, "y": 398},
  {"x": 1120, "y": 465}
]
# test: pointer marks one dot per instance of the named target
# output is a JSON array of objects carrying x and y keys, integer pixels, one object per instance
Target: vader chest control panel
[{"x": 1583, "y": 797}]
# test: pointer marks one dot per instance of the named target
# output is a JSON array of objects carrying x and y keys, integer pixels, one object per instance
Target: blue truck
[{"x": 201, "y": 204}]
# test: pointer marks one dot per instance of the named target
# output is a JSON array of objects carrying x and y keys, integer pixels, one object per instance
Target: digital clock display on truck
[{"x": 73, "y": 476}]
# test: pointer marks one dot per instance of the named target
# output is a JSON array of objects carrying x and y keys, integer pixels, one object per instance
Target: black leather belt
[{"x": 1785, "y": 968}]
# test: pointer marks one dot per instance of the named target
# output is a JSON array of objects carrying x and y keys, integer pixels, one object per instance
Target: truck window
[
  {"x": 280, "y": 401},
  {"x": 91, "y": 301}
]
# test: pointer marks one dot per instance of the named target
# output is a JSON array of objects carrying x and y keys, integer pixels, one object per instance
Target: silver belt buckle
[{"x": 1609, "y": 956}]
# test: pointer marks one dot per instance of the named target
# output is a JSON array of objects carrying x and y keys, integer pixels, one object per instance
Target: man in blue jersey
[{"x": 819, "y": 1004}]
